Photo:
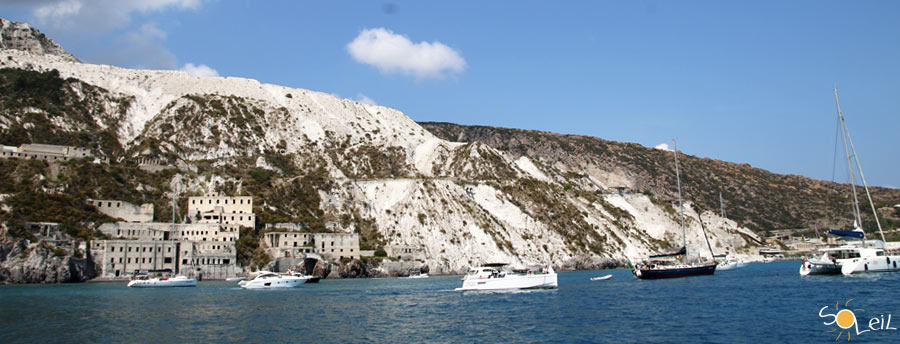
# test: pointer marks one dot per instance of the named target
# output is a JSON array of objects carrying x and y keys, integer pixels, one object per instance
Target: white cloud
[
  {"x": 82, "y": 23},
  {"x": 57, "y": 11},
  {"x": 663, "y": 146},
  {"x": 144, "y": 48},
  {"x": 199, "y": 70},
  {"x": 394, "y": 53},
  {"x": 362, "y": 98},
  {"x": 97, "y": 16}
]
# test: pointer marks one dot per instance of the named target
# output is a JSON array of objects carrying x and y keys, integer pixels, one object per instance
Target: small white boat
[
  {"x": 417, "y": 274},
  {"x": 601, "y": 278},
  {"x": 489, "y": 277},
  {"x": 163, "y": 282},
  {"x": 271, "y": 280},
  {"x": 235, "y": 279}
]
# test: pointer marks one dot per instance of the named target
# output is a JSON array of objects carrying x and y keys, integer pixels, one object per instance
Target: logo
[{"x": 846, "y": 319}]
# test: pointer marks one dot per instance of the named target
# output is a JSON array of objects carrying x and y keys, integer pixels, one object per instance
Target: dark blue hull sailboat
[
  {"x": 676, "y": 271},
  {"x": 662, "y": 266}
]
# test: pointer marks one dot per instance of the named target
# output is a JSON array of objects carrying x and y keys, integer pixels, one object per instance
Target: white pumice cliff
[{"x": 385, "y": 175}]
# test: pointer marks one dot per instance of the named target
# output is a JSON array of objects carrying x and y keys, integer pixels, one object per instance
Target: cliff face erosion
[{"x": 463, "y": 194}]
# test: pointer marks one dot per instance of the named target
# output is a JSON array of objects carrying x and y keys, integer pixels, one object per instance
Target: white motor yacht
[
  {"x": 490, "y": 277},
  {"x": 271, "y": 280},
  {"x": 163, "y": 282}
]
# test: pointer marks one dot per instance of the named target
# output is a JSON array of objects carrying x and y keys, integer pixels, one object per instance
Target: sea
[{"x": 759, "y": 303}]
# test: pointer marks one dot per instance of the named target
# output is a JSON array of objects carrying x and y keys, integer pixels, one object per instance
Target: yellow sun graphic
[{"x": 845, "y": 319}]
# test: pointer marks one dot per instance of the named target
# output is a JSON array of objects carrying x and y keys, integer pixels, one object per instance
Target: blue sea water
[{"x": 760, "y": 303}]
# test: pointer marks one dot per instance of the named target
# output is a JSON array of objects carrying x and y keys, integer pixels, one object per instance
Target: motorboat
[
  {"x": 417, "y": 274},
  {"x": 495, "y": 277},
  {"x": 235, "y": 279},
  {"x": 271, "y": 280},
  {"x": 162, "y": 282},
  {"x": 601, "y": 278},
  {"x": 727, "y": 265}
]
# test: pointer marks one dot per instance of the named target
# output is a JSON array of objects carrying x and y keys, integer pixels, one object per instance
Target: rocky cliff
[
  {"x": 339, "y": 165},
  {"x": 23, "y": 261},
  {"x": 21, "y": 36}
]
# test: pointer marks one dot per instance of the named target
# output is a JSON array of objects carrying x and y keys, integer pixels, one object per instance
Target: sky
[{"x": 740, "y": 81}]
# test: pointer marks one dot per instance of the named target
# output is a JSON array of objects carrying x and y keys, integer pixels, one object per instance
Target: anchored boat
[
  {"x": 857, "y": 256},
  {"x": 495, "y": 277},
  {"x": 271, "y": 280},
  {"x": 676, "y": 264}
]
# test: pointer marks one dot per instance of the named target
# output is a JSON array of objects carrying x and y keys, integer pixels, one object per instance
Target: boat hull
[
  {"x": 676, "y": 272},
  {"x": 274, "y": 283},
  {"x": 511, "y": 282},
  {"x": 817, "y": 267},
  {"x": 870, "y": 264},
  {"x": 727, "y": 266},
  {"x": 163, "y": 283}
]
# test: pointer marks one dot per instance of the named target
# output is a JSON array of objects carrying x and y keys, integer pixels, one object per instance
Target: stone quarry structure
[
  {"x": 292, "y": 243},
  {"x": 44, "y": 152},
  {"x": 203, "y": 246},
  {"x": 124, "y": 210}
]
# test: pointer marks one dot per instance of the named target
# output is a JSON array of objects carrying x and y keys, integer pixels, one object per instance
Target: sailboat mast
[
  {"x": 722, "y": 209},
  {"x": 680, "y": 202},
  {"x": 859, "y": 167},
  {"x": 849, "y": 161},
  {"x": 172, "y": 235}
]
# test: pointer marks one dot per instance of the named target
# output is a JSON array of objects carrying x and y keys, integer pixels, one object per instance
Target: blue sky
[{"x": 740, "y": 81}]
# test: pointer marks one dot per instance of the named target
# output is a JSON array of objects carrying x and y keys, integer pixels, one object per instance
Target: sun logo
[{"x": 844, "y": 318}]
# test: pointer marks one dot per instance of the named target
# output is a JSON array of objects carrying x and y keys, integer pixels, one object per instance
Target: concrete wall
[
  {"x": 405, "y": 252},
  {"x": 44, "y": 152},
  {"x": 333, "y": 246},
  {"x": 214, "y": 208},
  {"x": 124, "y": 210}
]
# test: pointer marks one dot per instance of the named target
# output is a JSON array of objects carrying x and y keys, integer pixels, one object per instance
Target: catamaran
[
  {"x": 855, "y": 256},
  {"x": 676, "y": 264}
]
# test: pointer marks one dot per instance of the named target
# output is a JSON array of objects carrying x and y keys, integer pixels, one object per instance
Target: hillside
[
  {"x": 754, "y": 197},
  {"x": 464, "y": 195}
]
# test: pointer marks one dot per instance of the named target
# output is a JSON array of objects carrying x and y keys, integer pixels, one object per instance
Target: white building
[
  {"x": 331, "y": 246},
  {"x": 124, "y": 210},
  {"x": 196, "y": 249},
  {"x": 405, "y": 252},
  {"x": 44, "y": 152},
  {"x": 214, "y": 208}
]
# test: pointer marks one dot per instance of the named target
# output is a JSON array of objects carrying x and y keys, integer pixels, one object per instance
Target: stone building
[
  {"x": 405, "y": 252},
  {"x": 204, "y": 250},
  {"x": 215, "y": 208},
  {"x": 295, "y": 244},
  {"x": 124, "y": 210},
  {"x": 44, "y": 152}
]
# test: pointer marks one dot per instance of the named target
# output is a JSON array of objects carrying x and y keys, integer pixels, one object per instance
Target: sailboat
[
  {"x": 728, "y": 262},
  {"x": 675, "y": 264},
  {"x": 855, "y": 256},
  {"x": 165, "y": 281}
]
